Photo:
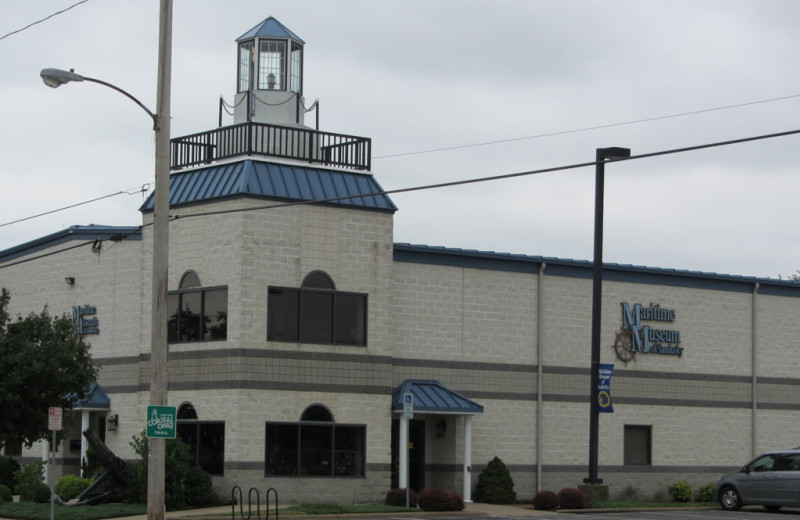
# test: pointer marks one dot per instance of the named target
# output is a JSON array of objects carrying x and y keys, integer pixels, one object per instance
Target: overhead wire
[
  {"x": 119, "y": 237},
  {"x": 143, "y": 189},
  {"x": 584, "y": 129},
  {"x": 43, "y": 19}
]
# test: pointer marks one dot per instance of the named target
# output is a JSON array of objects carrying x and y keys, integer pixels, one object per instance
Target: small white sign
[
  {"x": 408, "y": 406},
  {"x": 54, "y": 415}
]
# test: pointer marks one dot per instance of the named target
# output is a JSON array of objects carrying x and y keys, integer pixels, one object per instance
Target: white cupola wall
[{"x": 270, "y": 76}]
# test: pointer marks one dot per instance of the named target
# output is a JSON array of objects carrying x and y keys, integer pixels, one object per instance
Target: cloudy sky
[{"x": 547, "y": 82}]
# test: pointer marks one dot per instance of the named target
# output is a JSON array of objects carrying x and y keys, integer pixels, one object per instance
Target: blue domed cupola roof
[{"x": 270, "y": 28}]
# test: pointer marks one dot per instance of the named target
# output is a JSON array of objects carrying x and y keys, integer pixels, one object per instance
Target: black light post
[{"x": 603, "y": 154}]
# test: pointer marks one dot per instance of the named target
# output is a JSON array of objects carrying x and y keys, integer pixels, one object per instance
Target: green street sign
[{"x": 161, "y": 422}]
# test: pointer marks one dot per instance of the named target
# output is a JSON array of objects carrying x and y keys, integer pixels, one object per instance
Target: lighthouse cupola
[{"x": 270, "y": 76}]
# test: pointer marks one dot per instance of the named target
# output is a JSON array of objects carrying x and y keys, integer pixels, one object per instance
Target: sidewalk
[{"x": 469, "y": 510}]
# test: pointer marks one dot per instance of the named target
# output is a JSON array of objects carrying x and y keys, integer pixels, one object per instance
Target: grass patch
[
  {"x": 338, "y": 509},
  {"x": 34, "y": 511}
]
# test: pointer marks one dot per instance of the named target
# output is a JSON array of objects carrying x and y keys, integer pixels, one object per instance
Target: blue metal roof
[
  {"x": 270, "y": 28},
  {"x": 433, "y": 397},
  {"x": 627, "y": 273},
  {"x": 90, "y": 232},
  {"x": 276, "y": 181},
  {"x": 96, "y": 399}
]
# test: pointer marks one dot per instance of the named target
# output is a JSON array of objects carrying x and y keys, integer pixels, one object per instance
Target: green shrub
[
  {"x": 8, "y": 467},
  {"x": 681, "y": 491},
  {"x": 571, "y": 498},
  {"x": 28, "y": 478},
  {"x": 71, "y": 486},
  {"x": 495, "y": 485},
  {"x": 439, "y": 499},
  {"x": 5, "y": 494},
  {"x": 179, "y": 476},
  {"x": 38, "y": 492},
  {"x": 199, "y": 490},
  {"x": 545, "y": 500},
  {"x": 397, "y": 497},
  {"x": 705, "y": 493}
]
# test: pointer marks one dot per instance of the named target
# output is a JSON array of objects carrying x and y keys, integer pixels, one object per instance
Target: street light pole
[
  {"x": 158, "y": 337},
  {"x": 602, "y": 154}
]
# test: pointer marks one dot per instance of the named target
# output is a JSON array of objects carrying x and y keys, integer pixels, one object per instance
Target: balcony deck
[{"x": 259, "y": 139}]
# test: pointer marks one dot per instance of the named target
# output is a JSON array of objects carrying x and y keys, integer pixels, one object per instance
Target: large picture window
[
  {"x": 197, "y": 313},
  {"x": 206, "y": 439},
  {"x": 315, "y": 447},
  {"x": 317, "y": 313}
]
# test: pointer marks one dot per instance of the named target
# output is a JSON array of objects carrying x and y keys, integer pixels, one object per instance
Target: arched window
[
  {"x": 317, "y": 413},
  {"x": 317, "y": 313},
  {"x": 197, "y": 313},
  {"x": 189, "y": 280},
  {"x": 187, "y": 412},
  {"x": 315, "y": 446},
  {"x": 206, "y": 439}
]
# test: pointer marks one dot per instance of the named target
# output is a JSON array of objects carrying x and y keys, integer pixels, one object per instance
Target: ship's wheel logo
[{"x": 623, "y": 346}]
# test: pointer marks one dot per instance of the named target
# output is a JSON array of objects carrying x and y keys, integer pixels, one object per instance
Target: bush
[
  {"x": 571, "y": 498},
  {"x": 495, "y": 485},
  {"x": 178, "y": 492},
  {"x": 5, "y": 494},
  {"x": 199, "y": 490},
  {"x": 681, "y": 491},
  {"x": 71, "y": 486},
  {"x": 8, "y": 467},
  {"x": 545, "y": 500},
  {"x": 28, "y": 478},
  {"x": 706, "y": 493},
  {"x": 438, "y": 499},
  {"x": 38, "y": 492},
  {"x": 397, "y": 497}
]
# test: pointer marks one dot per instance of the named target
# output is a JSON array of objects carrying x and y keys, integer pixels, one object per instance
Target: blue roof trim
[
  {"x": 433, "y": 397},
  {"x": 518, "y": 263},
  {"x": 270, "y": 28},
  {"x": 96, "y": 399},
  {"x": 276, "y": 181},
  {"x": 91, "y": 232}
]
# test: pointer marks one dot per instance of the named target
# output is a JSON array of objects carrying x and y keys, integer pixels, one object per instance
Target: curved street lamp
[
  {"x": 54, "y": 78},
  {"x": 158, "y": 337}
]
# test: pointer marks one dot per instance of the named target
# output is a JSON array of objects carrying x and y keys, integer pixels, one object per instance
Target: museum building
[{"x": 298, "y": 330}]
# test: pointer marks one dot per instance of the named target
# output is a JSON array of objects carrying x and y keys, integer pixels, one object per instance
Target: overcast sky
[{"x": 419, "y": 75}]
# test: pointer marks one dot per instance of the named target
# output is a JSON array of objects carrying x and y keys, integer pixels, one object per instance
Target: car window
[
  {"x": 763, "y": 463},
  {"x": 787, "y": 462}
]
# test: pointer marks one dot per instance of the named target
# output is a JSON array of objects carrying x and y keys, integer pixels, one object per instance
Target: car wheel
[
  {"x": 772, "y": 508},
  {"x": 729, "y": 499}
]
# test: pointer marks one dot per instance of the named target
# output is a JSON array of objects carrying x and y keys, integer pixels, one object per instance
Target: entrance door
[{"x": 416, "y": 454}]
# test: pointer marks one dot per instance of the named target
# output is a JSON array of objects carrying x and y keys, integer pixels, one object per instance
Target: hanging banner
[{"x": 604, "y": 388}]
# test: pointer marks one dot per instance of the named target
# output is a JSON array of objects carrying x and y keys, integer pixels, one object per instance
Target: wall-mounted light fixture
[
  {"x": 70, "y": 280},
  {"x": 112, "y": 421},
  {"x": 441, "y": 427}
]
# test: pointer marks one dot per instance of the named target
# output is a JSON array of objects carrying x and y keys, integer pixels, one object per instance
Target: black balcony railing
[{"x": 265, "y": 140}]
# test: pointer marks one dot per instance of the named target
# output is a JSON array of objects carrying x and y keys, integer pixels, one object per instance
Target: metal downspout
[
  {"x": 539, "y": 385},
  {"x": 754, "y": 364}
]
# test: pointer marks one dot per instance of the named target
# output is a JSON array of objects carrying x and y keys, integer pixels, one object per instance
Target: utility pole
[{"x": 158, "y": 337}]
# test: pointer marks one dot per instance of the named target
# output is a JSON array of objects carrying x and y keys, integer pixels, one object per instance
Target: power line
[
  {"x": 425, "y": 187},
  {"x": 585, "y": 129},
  {"x": 143, "y": 189},
  {"x": 43, "y": 19}
]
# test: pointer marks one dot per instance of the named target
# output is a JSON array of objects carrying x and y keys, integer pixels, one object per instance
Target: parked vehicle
[{"x": 771, "y": 480}]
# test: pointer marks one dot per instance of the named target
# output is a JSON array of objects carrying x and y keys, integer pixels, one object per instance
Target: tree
[
  {"x": 495, "y": 485},
  {"x": 43, "y": 364}
]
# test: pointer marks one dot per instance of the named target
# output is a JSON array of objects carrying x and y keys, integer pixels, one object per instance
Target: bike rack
[{"x": 236, "y": 492}]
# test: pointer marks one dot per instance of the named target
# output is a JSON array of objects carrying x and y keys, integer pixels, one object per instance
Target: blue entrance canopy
[{"x": 433, "y": 397}]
